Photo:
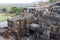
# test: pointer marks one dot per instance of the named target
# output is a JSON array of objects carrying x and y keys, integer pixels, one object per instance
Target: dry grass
[{"x": 4, "y": 16}]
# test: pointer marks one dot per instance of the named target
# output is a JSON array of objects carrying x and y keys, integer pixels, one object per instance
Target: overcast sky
[{"x": 19, "y": 1}]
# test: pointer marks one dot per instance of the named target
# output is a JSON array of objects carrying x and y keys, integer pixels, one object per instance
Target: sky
[{"x": 19, "y": 1}]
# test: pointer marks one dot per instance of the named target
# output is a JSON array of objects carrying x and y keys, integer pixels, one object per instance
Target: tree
[
  {"x": 20, "y": 9},
  {"x": 51, "y": 1},
  {"x": 13, "y": 9},
  {"x": 16, "y": 10},
  {"x": 4, "y": 9}
]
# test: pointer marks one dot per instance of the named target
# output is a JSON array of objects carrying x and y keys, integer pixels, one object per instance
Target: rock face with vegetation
[
  {"x": 12, "y": 11},
  {"x": 5, "y": 13}
]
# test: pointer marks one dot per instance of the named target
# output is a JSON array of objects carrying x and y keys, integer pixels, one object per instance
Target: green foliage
[
  {"x": 13, "y": 9},
  {"x": 16, "y": 10},
  {"x": 4, "y": 9},
  {"x": 51, "y": 1},
  {"x": 20, "y": 9}
]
